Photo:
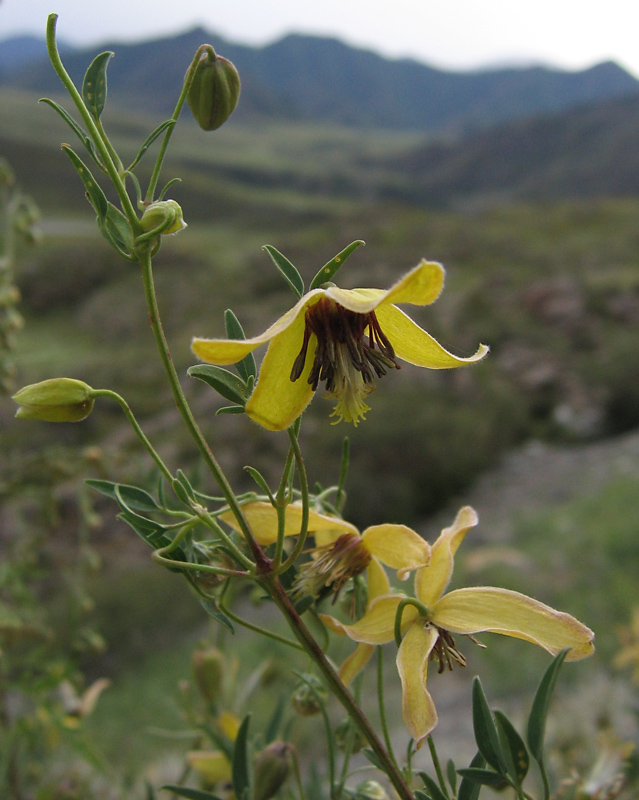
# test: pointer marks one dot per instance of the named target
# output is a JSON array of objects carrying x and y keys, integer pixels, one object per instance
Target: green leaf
[
  {"x": 135, "y": 498},
  {"x": 246, "y": 367},
  {"x": 230, "y": 410},
  {"x": 150, "y": 794},
  {"x": 468, "y": 790},
  {"x": 94, "y": 85},
  {"x": 485, "y": 731},
  {"x": 226, "y": 383},
  {"x": 96, "y": 196},
  {"x": 116, "y": 230},
  {"x": 371, "y": 756},
  {"x": 484, "y": 777},
  {"x": 419, "y": 795},
  {"x": 152, "y": 533},
  {"x": 275, "y": 722},
  {"x": 241, "y": 772},
  {"x": 451, "y": 774},
  {"x": 540, "y": 707},
  {"x": 190, "y": 794},
  {"x": 150, "y": 139},
  {"x": 288, "y": 270},
  {"x": 209, "y": 604},
  {"x": 82, "y": 136},
  {"x": 432, "y": 786},
  {"x": 260, "y": 480},
  {"x": 514, "y": 748},
  {"x": 328, "y": 270}
]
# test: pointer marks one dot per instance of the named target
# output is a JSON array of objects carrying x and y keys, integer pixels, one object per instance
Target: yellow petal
[
  {"x": 377, "y": 626},
  {"x": 430, "y": 583},
  {"x": 418, "y": 709},
  {"x": 212, "y": 765},
  {"x": 485, "y": 608},
  {"x": 229, "y": 725},
  {"x": 356, "y": 662},
  {"x": 377, "y": 580},
  {"x": 421, "y": 286},
  {"x": 398, "y": 547},
  {"x": 277, "y": 401},
  {"x": 262, "y": 518},
  {"x": 411, "y": 343},
  {"x": 230, "y": 351}
]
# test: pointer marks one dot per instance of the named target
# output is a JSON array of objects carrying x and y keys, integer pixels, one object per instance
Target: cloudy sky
[{"x": 455, "y": 34}]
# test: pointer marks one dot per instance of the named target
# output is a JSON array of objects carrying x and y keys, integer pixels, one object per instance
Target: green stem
[
  {"x": 187, "y": 566},
  {"x": 246, "y": 624},
  {"x": 436, "y": 764},
  {"x": 110, "y": 167},
  {"x": 335, "y": 685},
  {"x": 210, "y": 521},
  {"x": 301, "y": 539},
  {"x": 262, "y": 563},
  {"x": 282, "y": 499},
  {"x": 544, "y": 779},
  {"x": 138, "y": 430},
  {"x": 188, "y": 80},
  {"x": 380, "y": 702}
]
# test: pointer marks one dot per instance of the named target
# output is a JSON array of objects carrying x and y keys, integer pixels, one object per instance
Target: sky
[{"x": 455, "y": 34}]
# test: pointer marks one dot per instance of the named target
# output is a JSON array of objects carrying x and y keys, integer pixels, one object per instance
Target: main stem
[{"x": 337, "y": 688}]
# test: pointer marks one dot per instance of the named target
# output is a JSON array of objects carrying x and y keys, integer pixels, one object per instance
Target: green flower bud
[
  {"x": 308, "y": 696},
  {"x": 208, "y": 668},
  {"x": 348, "y": 736},
  {"x": 161, "y": 213},
  {"x": 214, "y": 91},
  {"x": 270, "y": 769},
  {"x": 370, "y": 790},
  {"x": 55, "y": 400}
]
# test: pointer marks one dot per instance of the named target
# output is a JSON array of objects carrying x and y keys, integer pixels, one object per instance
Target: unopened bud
[
  {"x": 55, "y": 400},
  {"x": 163, "y": 213},
  {"x": 214, "y": 91},
  {"x": 370, "y": 790},
  {"x": 347, "y": 737},
  {"x": 309, "y": 695},
  {"x": 271, "y": 769},
  {"x": 208, "y": 668}
]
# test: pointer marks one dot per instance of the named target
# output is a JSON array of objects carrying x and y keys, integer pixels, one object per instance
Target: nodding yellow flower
[
  {"x": 428, "y": 631},
  {"x": 344, "y": 338}
]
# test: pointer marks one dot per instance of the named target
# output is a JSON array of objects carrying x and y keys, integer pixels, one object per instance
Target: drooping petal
[
  {"x": 421, "y": 287},
  {"x": 262, "y": 518},
  {"x": 212, "y": 765},
  {"x": 412, "y": 344},
  {"x": 418, "y": 709},
  {"x": 430, "y": 583},
  {"x": 398, "y": 547},
  {"x": 356, "y": 662},
  {"x": 377, "y": 626},
  {"x": 377, "y": 580},
  {"x": 230, "y": 351},
  {"x": 485, "y": 608},
  {"x": 277, "y": 401}
]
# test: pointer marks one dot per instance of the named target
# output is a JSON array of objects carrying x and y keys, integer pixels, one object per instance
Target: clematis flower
[
  {"x": 345, "y": 338},
  {"x": 428, "y": 631}
]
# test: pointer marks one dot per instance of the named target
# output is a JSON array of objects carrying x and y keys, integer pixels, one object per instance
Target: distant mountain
[
  {"x": 588, "y": 152},
  {"x": 21, "y": 50},
  {"x": 324, "y": 80}
]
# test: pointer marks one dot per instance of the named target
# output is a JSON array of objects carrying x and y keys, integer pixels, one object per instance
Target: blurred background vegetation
[{"x": 535, "y": 220}]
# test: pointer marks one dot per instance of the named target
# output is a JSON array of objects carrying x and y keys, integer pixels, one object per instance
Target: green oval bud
[
  {"x": 370, "y": 790},
  {"x": 55, "y": 400},
  {"x": 163, "y": 213},
  {"x": 348, "y": 736},
  {"x": 215, "y": 90},
  {"x": 270, "y": 769},
  {"x": 208, "y": 668},
  {"x": 308, "y": 696}
]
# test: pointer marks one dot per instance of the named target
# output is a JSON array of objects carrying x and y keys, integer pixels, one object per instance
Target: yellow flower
[
  {"x": 428, "y": 631},
  {"x": 322, "y": 339}
]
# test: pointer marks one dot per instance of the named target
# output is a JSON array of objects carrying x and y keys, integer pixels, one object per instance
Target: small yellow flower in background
[
  {"x": 322, "y": 339},
  {"x": 428, "y": 635}
]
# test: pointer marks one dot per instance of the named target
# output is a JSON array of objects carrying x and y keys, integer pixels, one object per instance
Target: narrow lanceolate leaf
[
  {"x": 150, "y": 139},
  {"x": 260, "y": 480},
  {"x": 116, "y": 230},
  {"x": 96, "y": 196},
  {"x": 275, "y": 723},
  {"x": 135, "y": 498},
  {"x": 241, "y": 767},
  {"x": 451, "y": 774},
  {"x": 247, "y": 366},
  {"x": 94, "y": 85},
  {"x": 485, "y": 731},
  {"x": 469, "y": 790},
  {"x": 190, "y": 794},
  {"x": 288, "y": 270},
  {"x": 82, "y": 136},
  {"x": 372, "y": 757},
  {"x": 540, "y": 707},
  {"x": 209, "y": 604},
  {"x": 230, "y": 410},
  {"x": 484, "y": 777},
  {"x": 329, "y": 270},
  {"x": 226, "y": 383},
  {"x": 432, "y": 787},
  {"x": 514, "y": 748},
  {"x": 152, "y": 533},
  {"x": 419, "y": 795}
]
